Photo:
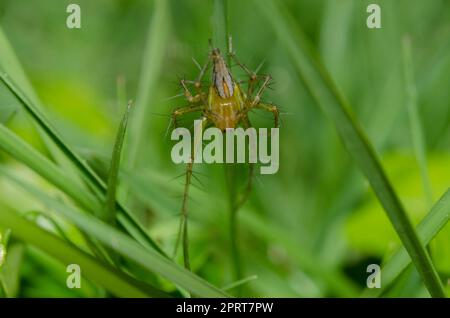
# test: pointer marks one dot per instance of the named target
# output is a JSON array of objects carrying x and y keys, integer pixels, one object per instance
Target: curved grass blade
[
  {"x": 10, "y": 64},
  {"x": 128, "y": 220},
  {"x": 417, "y": 134},
  {"x": 126, "y": 246},
  {"x": 110, "y": 213},
  {"x": 220, "y": 25},
  {"x": 34, "y": 215},
  {"x": 20, "y": 150},
  {"x": 326, "y": 94},
  {"x": 427, "y": 229},
  {"x": 32, "y": 158},
  {"x": 333, "y": 279},
  {"x": 336, "y": 282},
  {"x": 114, "y": 281},
  {"x": 10, "y": 270},
  {"x": 240, "y": 282},
  {"x": 152, "y": 61},
  {"x": 6, "y": 114}
]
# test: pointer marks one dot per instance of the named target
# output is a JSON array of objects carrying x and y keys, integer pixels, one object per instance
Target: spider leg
[
  {"x": 187, "y": 93},
  {"x": 203, "y": 71},
  {"x": 183, "y": 233},
  {"x": 270, "y": 108},
  {"x": 199, "y": 96},
  {"x": 251, "y": 168},
  {"x": 253, "y": 76},
  {"x": 258, "y": 95},
  {"x": 185, "y": 110}
]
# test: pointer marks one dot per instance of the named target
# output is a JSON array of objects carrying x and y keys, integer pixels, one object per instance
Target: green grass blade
[
  {"x": 31, "y": 107},
  {"x": 130, "y": 223},
  {"x": 17, "y": 148},
  {"x": 102, "y": 274},
  {"x": 427, "y": 229},
  {"x": 33, "y": 216},
  {"x": 417, "y": 134},
  {"x": 36, "y": 114},
  {"x": 20, "y": 150},
  {"x": 326, "y": 94},
  {"x": 126, "y": 246},
  {"x": 6, "y": 113},
  {"x": 152, "y": 62},
  {"x": 10, "y": 64},
  {"x": 221, "y": 40},
  {"x": 240, "y": 282},
  {"x": 220, "y": 25},
  {"x": 333, "y": 279},
  {"x": 10, "y": 270},
  {"x": 110, "y": 214}
]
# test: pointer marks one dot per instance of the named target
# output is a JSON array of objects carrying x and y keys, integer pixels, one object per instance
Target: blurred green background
[{"x": 317, "y": 217}]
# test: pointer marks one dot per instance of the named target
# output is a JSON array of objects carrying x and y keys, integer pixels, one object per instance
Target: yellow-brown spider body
[
  {"x": 225, "y": 99},
  {"x": 225, "y": 112},
  {"x": 225, "y": 104}
]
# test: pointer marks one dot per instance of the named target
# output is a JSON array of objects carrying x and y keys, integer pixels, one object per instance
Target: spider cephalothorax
[{"x": 225, "y": 105}]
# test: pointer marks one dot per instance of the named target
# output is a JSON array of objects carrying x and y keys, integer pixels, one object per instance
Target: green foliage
[{"x": 308, "y": 231}]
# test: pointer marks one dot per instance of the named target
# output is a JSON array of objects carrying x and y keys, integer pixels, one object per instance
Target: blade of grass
[
  {"x": 333, "y": 279},
  {"x": 17, "y": 148},
  {"x": 126, "y": 246},
  {"x": 10, "y": 271},
  {"x": 100, "y": 273},
  {"x": 427, "y": 229},
  {"x": 128, "y": 221},
  {"x": 220, "y": 25},
  {"x": 326, "y": 94},
  {"x": 416, "y": 130},
  {"x": 30, "y": 102},
  {"x": 20, "y": 150},
  {"x": 152, "y": 62},
  {"x": 34, "y": 215},
  {"x": 6, "y": 114},
  {"x": 221, "y": 38},
  {"x": 110, "y": 214},
  {"x": 240, "y": 282},
  {"x": 10, "y": 64}
]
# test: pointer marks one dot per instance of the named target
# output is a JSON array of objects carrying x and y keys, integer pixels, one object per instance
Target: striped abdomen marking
[{"x": 222, "y": 80}]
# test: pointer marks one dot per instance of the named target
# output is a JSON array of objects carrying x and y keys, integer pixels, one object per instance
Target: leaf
[
  {"x": 10, "y": 271},
  {"x": 240, "y": 282},
  {"x": 23, "y": 152},
  {"x": 326, "y": 94},
  {"x": 17, "y": 148},
  {"x": 152, "y": 62},
  {"x": 114, "y": 281},
  {"x": 335, "y": 280},
  {"x": 427, "y": 229},
  {"x": 10, "y": 64},
  {"x": 128, "y": 220},
  {"x": 417, "y": 134},
  {"x": 126, "y": 246},
  {"x": 7, "y": 113},
  {"x": 110, "y": 214}
]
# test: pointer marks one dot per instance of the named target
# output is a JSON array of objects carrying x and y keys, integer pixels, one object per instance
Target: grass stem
[
  {"x": 417, "y": 134},
  {"x": 326, "y": 94},
  {"x": 221, "y": 38}
]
